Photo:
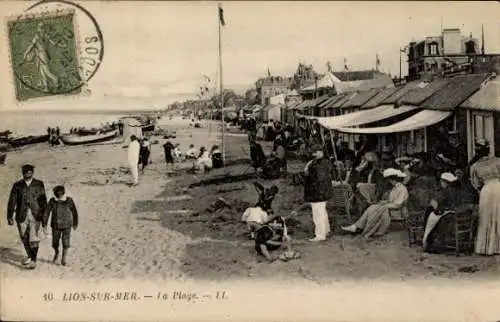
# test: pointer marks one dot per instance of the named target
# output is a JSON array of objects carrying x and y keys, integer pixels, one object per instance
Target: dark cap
[{"x": 28, "y": 167}]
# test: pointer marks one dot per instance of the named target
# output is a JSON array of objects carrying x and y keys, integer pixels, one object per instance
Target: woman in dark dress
[
  {"x": 440, "y": 213},
  {"x": 270, "y": 237},
  {"x": 216, "y": 156},
  {"x": 144, "y": 153}
]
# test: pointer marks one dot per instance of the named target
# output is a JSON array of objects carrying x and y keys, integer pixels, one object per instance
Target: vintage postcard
[{"x": 249, "y": 161}]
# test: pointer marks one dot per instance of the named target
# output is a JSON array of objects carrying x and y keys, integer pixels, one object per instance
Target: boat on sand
[{"x": 75, "y": 139}]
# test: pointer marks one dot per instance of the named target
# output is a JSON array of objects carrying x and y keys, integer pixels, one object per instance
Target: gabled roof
[
  {"x": 486, "y": 98},
  {"x": 379, "y": 97},
  {"x": 419, "y": 94},
  {"x": 361, "y": 98},
  {"x": 356, "y": 75},
  {"x": 455, "y": 92},
  {"x": 339, "y": 103},
  {"x": 392, "y": 99},
  {"x": 335, "y": 99}
]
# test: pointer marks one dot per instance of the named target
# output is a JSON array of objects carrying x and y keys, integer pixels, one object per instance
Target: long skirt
[
  {"x": 434, "y": 228},
  {"x": 320, "y": 219},
  {"x": 375, "y": 221},
  {"x": 488, "y": 232}
]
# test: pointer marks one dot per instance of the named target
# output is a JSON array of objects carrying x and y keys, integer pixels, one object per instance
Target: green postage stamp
[{"x": 44, "y": 55}]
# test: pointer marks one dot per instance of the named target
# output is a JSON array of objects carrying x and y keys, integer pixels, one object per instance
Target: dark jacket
[
  {"x": 318, "y": 182},
  {"x": 23, "y": 197},
  {"x": 64, "y": 214},
  {"x": 257, "y": 155}
]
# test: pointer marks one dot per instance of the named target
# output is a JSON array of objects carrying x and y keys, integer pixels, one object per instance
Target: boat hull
[
  {"x": 28, "y": 140},
  {"x": 148, "y": 128},
  {"x": 88, "y": 139}
]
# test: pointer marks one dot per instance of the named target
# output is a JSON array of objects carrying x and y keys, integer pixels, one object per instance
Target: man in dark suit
[{"x": 28, "y": 201}]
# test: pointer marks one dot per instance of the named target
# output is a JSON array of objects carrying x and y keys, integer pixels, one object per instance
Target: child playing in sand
[
  {"x": 254, "y": 217},
  {"x": 191, "y": 153},
  {"x": 64, "y": 216}
]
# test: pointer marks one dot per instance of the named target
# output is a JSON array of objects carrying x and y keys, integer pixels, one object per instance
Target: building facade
[
  {"x": 272, "y": 86},
  {"x": 450, "y": 53}
]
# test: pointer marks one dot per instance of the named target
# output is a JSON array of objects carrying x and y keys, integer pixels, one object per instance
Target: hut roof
[
  {"x": 379, "y": 97},
  {"x": 487, "y": 98},
  {"x": 419, "y": 94},
  {"x": 455, "y": 92},
  {"x": 392, "y": 99},
  {"x": 361, "y": 98}
]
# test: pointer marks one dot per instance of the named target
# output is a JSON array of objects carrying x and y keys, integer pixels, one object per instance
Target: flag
[
  {"x": 345, "y": 64},
  {"x": 482, "y": 39},
  {"x": 207, "y": 78},
  {"x": 329, "y": 66},
  {"x": 221, "y": 16},
  {"x": 377, "y": 62},
  {"x": 268, "y": 72},
  {"x": 206, "y": 89}
]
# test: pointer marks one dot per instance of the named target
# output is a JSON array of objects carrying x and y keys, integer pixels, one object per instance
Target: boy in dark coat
[{"x": 64, "y": 217}]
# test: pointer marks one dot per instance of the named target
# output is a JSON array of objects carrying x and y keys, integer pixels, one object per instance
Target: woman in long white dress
[
  {"x": 485, "y": 178},
  {"x": 376, "y": 220}
]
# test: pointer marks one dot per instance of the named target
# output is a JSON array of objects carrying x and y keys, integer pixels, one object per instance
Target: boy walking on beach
[
  {"x": 28, "y": 201},
  {"x": 64, "y": 217}
]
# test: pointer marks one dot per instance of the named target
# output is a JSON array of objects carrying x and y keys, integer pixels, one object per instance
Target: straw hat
[
  {"x": 448, "y": 177},
  {"x": 391, "y": 172}
]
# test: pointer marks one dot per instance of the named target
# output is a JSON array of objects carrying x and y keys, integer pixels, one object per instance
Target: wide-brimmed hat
[
  {"x": 448, "y": 177},
  {"x": 391, "y": 172},
  {"x": 481, "y": 144}
]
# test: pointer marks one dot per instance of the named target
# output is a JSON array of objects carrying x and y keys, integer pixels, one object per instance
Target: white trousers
[
  {"x": 320, "y": 219},
  {"x": 134, "y": 169}
]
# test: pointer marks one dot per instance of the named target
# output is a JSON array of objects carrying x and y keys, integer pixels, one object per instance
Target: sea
[{"x": 36, "y": 123}]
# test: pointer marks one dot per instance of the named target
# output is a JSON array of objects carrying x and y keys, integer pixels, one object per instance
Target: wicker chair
[
  {"x": 418, "y": 202},
  {"x": 461, "y": 236},
  {"x": 342, "y": 195}
]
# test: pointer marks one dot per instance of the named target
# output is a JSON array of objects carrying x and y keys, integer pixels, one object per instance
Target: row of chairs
[{"x": 460, "y": 239}]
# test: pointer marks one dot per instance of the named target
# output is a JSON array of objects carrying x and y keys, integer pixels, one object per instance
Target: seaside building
[
  {"x": 450, "y": 53},
  {"x": 271, "y": 86}
]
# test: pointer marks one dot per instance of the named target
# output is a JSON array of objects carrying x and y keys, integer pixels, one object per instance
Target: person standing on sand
[
  {"x": 64, "y": 216},
  {"x": 144, "y": 153},
  {"x": 318, "y": 189},
  {"x": 168, "y": 148},
  {"x": 28, "y": 201},
  {"x": 133, "y": 158}
]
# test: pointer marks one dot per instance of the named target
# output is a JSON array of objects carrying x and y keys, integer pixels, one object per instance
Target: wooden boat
[
  {"x": 75, "y": 139},
  {"x": 27, "y": 140},
  {"x": 148, "y": 128},
  {"x": 5, "y": 134}
]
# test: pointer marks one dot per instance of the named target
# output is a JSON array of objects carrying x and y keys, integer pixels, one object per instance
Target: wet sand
[{"x": 161, "y": 229}]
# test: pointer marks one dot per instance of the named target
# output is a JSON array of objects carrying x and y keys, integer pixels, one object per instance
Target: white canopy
[
  {"x": 415, "y": 122},
  {"x": 364, "y": 117}
]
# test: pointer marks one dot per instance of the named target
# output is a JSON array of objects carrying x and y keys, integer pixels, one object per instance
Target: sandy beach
[{"x": 161, "y": 229}]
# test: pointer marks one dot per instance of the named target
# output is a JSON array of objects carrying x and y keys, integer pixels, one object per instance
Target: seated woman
[
  {"x": 216, "y": 157},
  {"x": 191, "y": 153},
  {"x": 272, "y": 236},
  {"x": 376, "y": 219},
  {"x": 439, "y": 213},
  {"x": 204, "y": 162},
  {"x": 369, "y": 184}
]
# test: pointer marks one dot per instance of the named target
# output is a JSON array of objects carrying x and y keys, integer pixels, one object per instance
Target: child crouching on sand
[
  {"x": 64, "y": 216},
  {"x": 254, "y": 217}
]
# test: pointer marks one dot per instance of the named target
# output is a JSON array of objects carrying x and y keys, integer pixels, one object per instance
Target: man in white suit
[{"x": 133, "y": 158}]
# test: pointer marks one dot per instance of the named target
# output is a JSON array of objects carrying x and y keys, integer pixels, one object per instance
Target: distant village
[{"x": 451, "y": 85}]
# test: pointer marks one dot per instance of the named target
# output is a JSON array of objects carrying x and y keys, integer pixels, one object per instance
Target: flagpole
[{"x": 221, "y": 85}]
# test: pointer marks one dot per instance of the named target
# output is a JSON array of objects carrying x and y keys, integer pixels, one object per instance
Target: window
[
  {"x": 470, "y": 47},
  {"x": 482, "y": 127},
  {"x": 433, "y": 49}
]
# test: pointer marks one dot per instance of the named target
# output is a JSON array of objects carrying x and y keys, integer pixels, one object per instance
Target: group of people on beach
[
  {"x": 54, "y": 136},
  {"x": 29, "y": 210},
  {"x": 378, "y": 188}
]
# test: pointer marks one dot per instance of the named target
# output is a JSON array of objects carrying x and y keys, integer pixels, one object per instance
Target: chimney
[{"x": 452, "y": 41}]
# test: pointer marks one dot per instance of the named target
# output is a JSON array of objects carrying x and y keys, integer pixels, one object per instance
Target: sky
[{"x": 159, "y": 51}]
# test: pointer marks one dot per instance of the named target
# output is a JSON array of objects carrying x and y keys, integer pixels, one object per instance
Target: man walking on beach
[
  {"x": 133, "y": 159},
  {"x": 28, "y": 201}
]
